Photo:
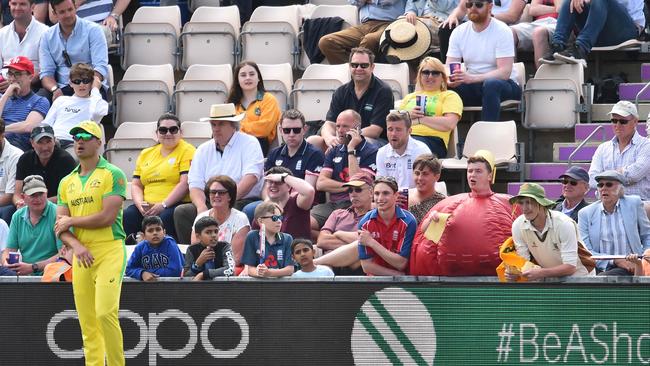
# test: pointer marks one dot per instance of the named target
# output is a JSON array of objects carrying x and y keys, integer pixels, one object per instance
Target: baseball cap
[
  {"x": 34, "y": 184},
  {"x": 576, "y": 173},
  {"x": 624, "y": 108},
  {"x": 610, "y": 175},
  {"x": 40, "y": 131},
  {"x": 20, "y": 63},
  {"x": 358, "y": 180},
  {"x": 90, "y": 127}
]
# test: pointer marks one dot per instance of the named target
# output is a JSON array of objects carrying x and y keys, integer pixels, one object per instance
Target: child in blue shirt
[
  {"x": 157, "y": 255},
  {"x": 276, "y": 260}
]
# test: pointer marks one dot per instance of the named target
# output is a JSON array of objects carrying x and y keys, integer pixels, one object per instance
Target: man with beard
[{"x": 486, "y": 45}]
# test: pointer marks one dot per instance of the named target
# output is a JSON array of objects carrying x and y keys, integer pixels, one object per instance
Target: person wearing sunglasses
[
  {"x": 434, "y": 122},
  {"x": 221, "y": 190},
  {"x": 486, "y": 46},
  {"x": 627, "y": 152},
  {"x": 160, "y": 177},
  {"x": 374, "y": 17},
  {"x": 21, "y": 37},
  {"x": 337, "y": 239},
  {"x": 303, "y": 159},
  {"x": 260, "y": 108},
  {"x": 19, "y": 106},
  {"x": 66, "y": 112},
  {"x": 366, "y": 94},
  {"x": 72, "y": 40},
  {"x": 273, "y": 257},
  {"x": 615, "y": 225},
  {"x": 89, "y": 221},
  {"x": 575, "y": 185}
]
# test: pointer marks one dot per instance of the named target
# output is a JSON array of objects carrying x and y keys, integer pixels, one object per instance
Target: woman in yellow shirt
[
  {"x": 442, "y": 111},
  {"x": 160, "y": 177},
  {"x": 261, "y": 108}
]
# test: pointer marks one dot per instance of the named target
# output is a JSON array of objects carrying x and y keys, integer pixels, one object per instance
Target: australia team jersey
[{"x": 83, "y": 196}]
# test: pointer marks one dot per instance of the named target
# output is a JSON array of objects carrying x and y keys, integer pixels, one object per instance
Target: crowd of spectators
[{"x": 354, "y": 196}]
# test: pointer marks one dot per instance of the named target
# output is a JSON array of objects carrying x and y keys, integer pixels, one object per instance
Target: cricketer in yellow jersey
[{"x": 89, "y": 221}]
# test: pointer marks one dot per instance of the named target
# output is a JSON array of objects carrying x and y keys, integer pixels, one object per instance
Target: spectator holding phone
[
  {"x": 439, "y": 110},
  {"x": 352, "y": 154}
]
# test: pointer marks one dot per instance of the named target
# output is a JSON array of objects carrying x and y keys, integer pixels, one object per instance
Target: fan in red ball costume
[{"x": 477, "y": 223}]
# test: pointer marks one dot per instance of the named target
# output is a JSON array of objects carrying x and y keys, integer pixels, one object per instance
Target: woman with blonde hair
[{"x": 439, "y": 110}]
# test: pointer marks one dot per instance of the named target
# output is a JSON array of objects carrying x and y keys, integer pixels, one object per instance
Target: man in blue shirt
[
  {"x": 19, "y": 103},
  {"x": 375, "y": 16},
  {"x": 73, "y": 40}
]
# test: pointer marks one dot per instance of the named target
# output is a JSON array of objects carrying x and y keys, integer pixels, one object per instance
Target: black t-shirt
[
  {"x": 373, "y": 106},
  {"x": 60, "y": 165}
]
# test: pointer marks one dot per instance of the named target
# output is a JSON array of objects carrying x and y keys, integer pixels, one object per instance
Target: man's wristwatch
[
  {"x": 34, "y": 267},
  {"x": 352, "y": 152},
  {"x": 283, "y": 176},
  {"x": 115, "y": 16},
  {"x": 164, "y": 205},
  {"x": 54, "y": 88}
]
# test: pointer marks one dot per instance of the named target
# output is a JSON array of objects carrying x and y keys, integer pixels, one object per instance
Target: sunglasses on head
[
  {"x": 355, "y": 189},
  {"x": 619, "y": 121},
  {"x": 431, "y": 72},
  {"x": 605, "y": 184},
  {"x": 81, "y": 81},
  {"x": 173, "y": 130},
  {"x": 82, "y": 136},
  {"x": 363, "y": 65},
  {"x": 569, "y": 181},
  {"x": 274, "y": 218},
  {"x": 476, "y": 4},
  {"x": 218, "y": 192},
  {"x": 288, "y": 130}
]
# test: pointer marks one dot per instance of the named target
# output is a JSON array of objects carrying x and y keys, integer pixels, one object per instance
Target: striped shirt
[
  {"x": 18, "y": 108},
  {"x": 634, "y": 161},
  {"x": 612, "y": 232},
  {"x": 95, "y": 10}
]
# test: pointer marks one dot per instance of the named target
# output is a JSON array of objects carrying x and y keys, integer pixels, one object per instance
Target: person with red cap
[{"x": 19, "y": 103}]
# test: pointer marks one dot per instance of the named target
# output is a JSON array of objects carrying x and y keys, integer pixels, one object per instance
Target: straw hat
[
  {"x": 405, "y": 41},
  {"x": 223, "y": 112}
]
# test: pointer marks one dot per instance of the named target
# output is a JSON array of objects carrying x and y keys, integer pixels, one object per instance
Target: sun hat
[
  {"x": 403, "y": 41},
  {"x": 534, "y": 191}
]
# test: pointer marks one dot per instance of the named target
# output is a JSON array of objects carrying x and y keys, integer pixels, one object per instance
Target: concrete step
[
  {"x": 548, "y": 171},
  {"x": 600, "y": 112},
  {"x": 553, "y": 190},
  {"x": 583, "y": 130},
  {"x": 628, "y": 91},
  {"x": 645, "y": 72},
  {"x": 562, "y": 150}
]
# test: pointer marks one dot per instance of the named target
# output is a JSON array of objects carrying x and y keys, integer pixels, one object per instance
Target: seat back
[
  {"x": 500, "y": 138},
  {"x": 321, "y": 71},
  {"x": 211, "y": 37},
  {"x": 152, "y": 37},
  {"x": 313, "y": 96},
  {"x": 144, "y": 93},
  {"x": 129, "y": 141},
  {"x": 452, "y": 150},
  {"x": 397, "y": 76},
  {"x": 196, "y": 133},
  {"x": 270, "y": 36},
  {"x": 348, "y": 13},
  {"x": 278, "y": 80},
  {"x": 551, "y": 104},
  {"x": 573, "y": 72}
]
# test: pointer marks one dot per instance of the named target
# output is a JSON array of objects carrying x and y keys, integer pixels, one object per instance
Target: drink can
[
  {"x": 421, "y": 101},
  {"x": 14, "y": 257},
  {"x": 404, "y": 192},
  {"x": 453, "y": 67}
]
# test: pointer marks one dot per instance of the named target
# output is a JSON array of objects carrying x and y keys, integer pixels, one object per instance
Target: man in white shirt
[
  {"x": 486, "y": 45},
  {"x": 396, "y": 159},
  {"x": 230, "y": 153},
  {"x": 9, "y": 156},
  {"x": 21, "y": 37}
]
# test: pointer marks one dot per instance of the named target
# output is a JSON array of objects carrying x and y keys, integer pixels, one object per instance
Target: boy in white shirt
[{"x": 302, "y": 251}]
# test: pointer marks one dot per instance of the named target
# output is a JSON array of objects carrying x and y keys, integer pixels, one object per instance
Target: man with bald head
[{"x": 351, "y": 155}]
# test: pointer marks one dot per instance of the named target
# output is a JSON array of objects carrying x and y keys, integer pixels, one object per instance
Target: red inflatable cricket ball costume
[{"x": 469, "y": 245}]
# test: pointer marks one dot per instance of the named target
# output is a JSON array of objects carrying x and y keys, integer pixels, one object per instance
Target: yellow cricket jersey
[
  {"x": 438, "y": 104},
  {"x": 83, "y": 196},
  {"x": 160, "y": 174},
  {"x": 262, "y": 116}
]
